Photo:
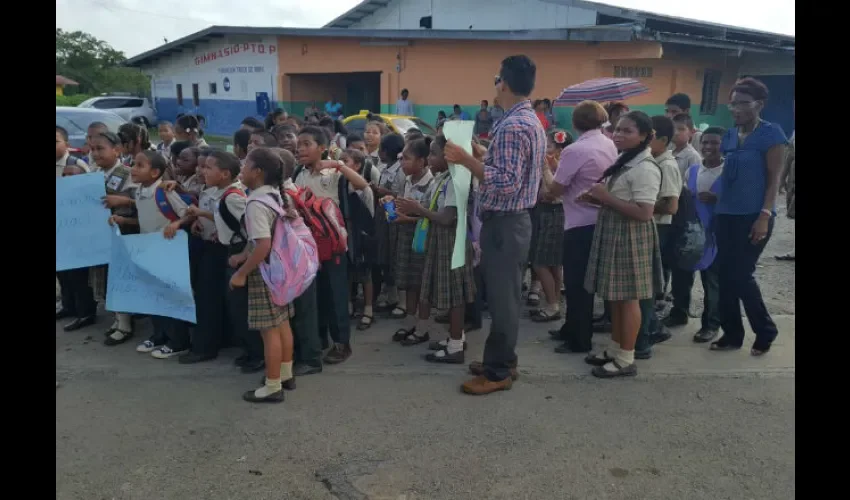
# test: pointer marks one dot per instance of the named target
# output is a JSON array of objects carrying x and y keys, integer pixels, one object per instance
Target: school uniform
[
  {"x": 333, "y": 289},
  {"x": 77, "y": 297},
  {"x": 234, "y": 240},
  {"x": 671, "y": 186},
  {"x": 699, "y": 180},
  {"x": 547, "y": 231},
  {"x": 170, "y": 335},
  {"x": 362, "y": 233},
  {"x": 408, "y": 264},
  {"x": 192, "y": 184},
  {"x": 625, "y": 260},
  {"x": 686, "y": 157},
  {"x": 442, "y": 286},
  {"x": 259, "y": 220},
  {"x": 118, "y": 183},
  {"x": 305, "y": 324},
  {"x": 392, "y": 179},
  {"x": 164, "y": 149},
  {"x": 210, "y": 297}
]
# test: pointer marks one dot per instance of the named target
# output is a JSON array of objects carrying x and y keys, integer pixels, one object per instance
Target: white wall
[
  {"x": 249, "y": 63},
  {"x": 480, "y": 14}
]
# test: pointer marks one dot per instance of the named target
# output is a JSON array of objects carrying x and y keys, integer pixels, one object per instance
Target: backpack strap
[
  {"x": 297, "y": 172},
  {"x": 71, "y": 161},
  {"x": 229, "y": 219},
  {"x": 165, "y": 206}
]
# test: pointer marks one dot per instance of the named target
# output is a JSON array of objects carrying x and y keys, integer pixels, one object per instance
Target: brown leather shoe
[
  {"x": 477, "y": 368},
  {"x": 481, "y": 385}
]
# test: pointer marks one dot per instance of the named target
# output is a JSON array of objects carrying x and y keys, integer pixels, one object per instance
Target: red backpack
[{"x": 325, "y": 221}]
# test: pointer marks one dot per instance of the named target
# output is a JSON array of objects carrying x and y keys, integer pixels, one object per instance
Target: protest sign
[
  {"x": 83, "y": 235},
  {"x": 149, "y": 274},
  {"x": 460, "y": 133}
]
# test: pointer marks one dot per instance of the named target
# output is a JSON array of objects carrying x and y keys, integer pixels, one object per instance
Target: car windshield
[
  {"x": 82, "y": 120},
  {"x": 88, "y": 102},
  {"x": 405, "y": 124}
]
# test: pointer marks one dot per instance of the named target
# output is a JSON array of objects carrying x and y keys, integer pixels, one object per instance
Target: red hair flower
[{"x": 560, "y": 137}]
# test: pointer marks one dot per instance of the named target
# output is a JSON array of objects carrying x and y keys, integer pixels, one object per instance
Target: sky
[{"x": 134, "y": 27}]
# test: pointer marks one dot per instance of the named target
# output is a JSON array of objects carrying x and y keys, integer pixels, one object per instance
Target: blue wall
[{"x": 222, "y": 116}]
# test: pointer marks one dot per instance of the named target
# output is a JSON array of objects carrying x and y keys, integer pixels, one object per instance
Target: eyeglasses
[
  {"x": 498, "y": 80},
  {"x": 741, "y": 104}
]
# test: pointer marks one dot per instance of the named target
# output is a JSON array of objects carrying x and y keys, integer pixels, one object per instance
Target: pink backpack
[{"x": 293, "y": 260}]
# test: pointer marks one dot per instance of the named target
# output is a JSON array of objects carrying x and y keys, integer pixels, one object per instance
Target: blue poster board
[{"x": 83, "y": 235}]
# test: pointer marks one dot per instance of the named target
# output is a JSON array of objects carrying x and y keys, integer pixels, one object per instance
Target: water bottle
[{"x": 389, "y": 206}]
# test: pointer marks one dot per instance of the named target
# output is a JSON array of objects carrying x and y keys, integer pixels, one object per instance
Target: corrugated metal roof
[{"x": 61, "y": 80}]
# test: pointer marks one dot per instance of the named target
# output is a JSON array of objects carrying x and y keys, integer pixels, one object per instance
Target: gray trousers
[{"x": 505, "y": 240}]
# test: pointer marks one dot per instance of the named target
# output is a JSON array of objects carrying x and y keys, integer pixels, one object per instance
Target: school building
[{"x": 447, "y": 52}]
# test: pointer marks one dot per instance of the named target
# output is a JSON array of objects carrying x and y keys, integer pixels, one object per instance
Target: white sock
[
  {"x": 272, "y": 386},
  {"x": 535, "y": 287},
  {"x": 625, "y": 358},
  {"x": 125, "y": 322},
  {"x": 454, "y": 346},
  {"x": 286, "y": 370},
  {"x": 553, "y": 309},
  {"x": 367, "y": 311}
]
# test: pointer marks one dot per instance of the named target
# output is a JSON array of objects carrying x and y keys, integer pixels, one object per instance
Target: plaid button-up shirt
[{"x": 512, "y": 167}]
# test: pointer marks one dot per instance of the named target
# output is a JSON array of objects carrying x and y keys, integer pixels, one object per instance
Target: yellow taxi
[{"x": 396, "y": 123}]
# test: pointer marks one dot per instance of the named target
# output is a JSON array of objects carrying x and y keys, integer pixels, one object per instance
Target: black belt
[
  {"x": 489, "y": 214},
  {"x": 549, "y": 207}
]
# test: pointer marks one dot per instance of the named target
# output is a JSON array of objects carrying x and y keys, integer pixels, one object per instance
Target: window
[
  {"x": 196, "y": 98},
  {"x": 133, "y": 103},
  {"x": 179, "y": 94},
  {"x": 632, "y": 72},
  {"x": 213, "y": 88},
  {"x": 357, "y": 125},
  {"x": 109, "y": 103},
  {"x": 710, "y": 92}
]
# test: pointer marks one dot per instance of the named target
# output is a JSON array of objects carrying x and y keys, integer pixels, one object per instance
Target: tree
[{"x": 95, "y": 65}]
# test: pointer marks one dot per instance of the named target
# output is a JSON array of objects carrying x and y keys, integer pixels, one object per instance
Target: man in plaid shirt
[{"x": 509, "y": 178}]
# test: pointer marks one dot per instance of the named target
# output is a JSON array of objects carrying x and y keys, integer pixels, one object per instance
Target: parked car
[
  {"x": 396, "y": 123},
  {"x": 77, "y": 120},
  {"x": 131, "y": 108}
]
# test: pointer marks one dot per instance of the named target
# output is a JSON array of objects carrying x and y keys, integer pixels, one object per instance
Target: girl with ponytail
[
  {"x": 625, "y": 260},
  {"x": 188, "y": 128}
]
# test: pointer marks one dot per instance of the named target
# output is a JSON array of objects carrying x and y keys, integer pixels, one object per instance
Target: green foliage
[
  {"x": 71, "y": 100},
  {"x": 95, "y": 66}
]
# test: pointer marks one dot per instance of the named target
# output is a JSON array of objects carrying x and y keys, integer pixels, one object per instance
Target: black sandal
[
  {"x": 414, "y": 339},
  {"x": 439, "y": 345},
  {"x": 112, "y": 341},
  {"x": 401, "y": 334},
  {"x": 759, "y": 349},
  {"x": 385, "y": 307},
  {"x": 365, "y": 322},
  {"x": 395, "y": 315}
]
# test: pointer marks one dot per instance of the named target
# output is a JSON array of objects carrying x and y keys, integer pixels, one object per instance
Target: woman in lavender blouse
[{"x": 582, "y": 164}]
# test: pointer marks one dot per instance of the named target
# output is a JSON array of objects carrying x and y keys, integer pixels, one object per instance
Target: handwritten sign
[
  {"x": 460, "y": 133},
  {"x": 83, "y": 235},
  {"x": 149, "y": 274}
]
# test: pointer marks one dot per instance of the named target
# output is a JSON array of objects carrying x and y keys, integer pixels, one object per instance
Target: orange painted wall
[{"x": 440, "y": 72}]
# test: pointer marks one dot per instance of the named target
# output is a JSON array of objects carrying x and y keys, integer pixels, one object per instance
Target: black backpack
[{"x": 687, "y": 235}]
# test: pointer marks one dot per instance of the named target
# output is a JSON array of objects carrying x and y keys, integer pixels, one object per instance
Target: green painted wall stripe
[{"x": 563, "y": 116}]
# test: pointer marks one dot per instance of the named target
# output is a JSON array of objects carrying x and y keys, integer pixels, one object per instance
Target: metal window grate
[
  {"x": 632, "y": 72},
  {"x": 710, "y": 92}
]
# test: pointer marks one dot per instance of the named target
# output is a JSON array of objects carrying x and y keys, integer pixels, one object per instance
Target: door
[{"x": 363, "y": 91}]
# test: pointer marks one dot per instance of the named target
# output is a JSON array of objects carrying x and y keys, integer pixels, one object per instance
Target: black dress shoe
[
  {"x": 556, "y": 334},
  {"x": 254, "y": 366},
  {"x": 660, "y": 336},
  {"x": 276, "y": 397},
  {"x": 79, "y": 323},
  {"x": 194, "y": 357},
  {"x": 64, "y": 314},
  {"x": 288, "y": 385},
  {"x": 302, "y": 369},
  {"x": 567, "y": 348}
]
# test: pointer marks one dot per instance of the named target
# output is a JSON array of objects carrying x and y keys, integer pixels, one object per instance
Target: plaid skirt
[
  {"x": 547, "y": 235},
  {"x": 443, "y": 287},
  {"x": 408, "y": 264},
  {"x": 262, "y": 312},
  {"x": 97, "y": 282},
  {"x": 625, "y": 260}
]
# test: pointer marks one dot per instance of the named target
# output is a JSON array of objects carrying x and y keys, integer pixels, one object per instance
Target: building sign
[
  {"x": 241, "y": 69},
  {"x": 226, "y": 84},
  {"x": 235, "y": 49}
]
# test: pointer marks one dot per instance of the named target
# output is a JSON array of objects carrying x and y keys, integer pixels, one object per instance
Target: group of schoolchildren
[{"x": 380, "y": 207}]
